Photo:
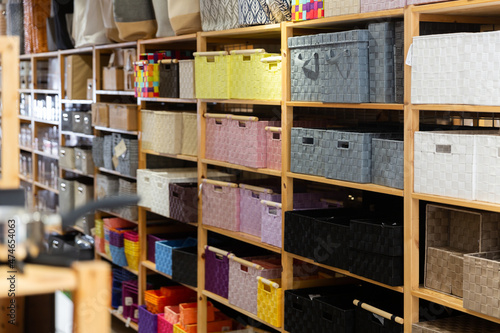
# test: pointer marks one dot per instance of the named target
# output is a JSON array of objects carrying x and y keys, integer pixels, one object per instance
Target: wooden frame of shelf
[
  {"x": 127, "y": 323},
  {"x": 115, "y": 130},
  {"x": 263, "y": 171},
  {"x": 179, "y": 157}
]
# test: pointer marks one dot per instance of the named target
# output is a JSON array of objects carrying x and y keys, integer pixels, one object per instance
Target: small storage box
[
  {"x": 189, "y": 134},
  {"x": 216, "y": 138},
  {"x": 457, "y": 324},
  {"x": 78, "y": 125},
  {"x": 84, "y": 193},
  {"x": 163, "y": 252},
  {"x": 112, "y": 78},
  {"x": 66, "y": 195},
  {"x": 67, "y": 121},
  {"x": 123, "y": 116},
  {"x": 148, "y": 322},
  {"x": 307, "y": 155},
  {"x": 185, "y": 266},
  {"x": 186, "y": 79},
  {"x": 67, "y": 157},
  {"x": 212, "y": 75},
  {"x": 388, "y": 162},
  {"x": 100, "y": 114},
  {"x": 341, "y": 7},
  {"x": 250, "y": 207},
  {"x": 269, "y": 301},
  {"x": 216, "y": 272},
  {"x": 221, "y": 205},
  {"x": 83, "y": 161},
  {"x": 183, "y": 199},
  {"x": 303, "y": 10},
  {"x": 169, "y": 78},
  {"x": 162, "y": 131}
]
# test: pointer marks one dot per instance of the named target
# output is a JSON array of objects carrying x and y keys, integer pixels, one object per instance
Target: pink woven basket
[
  {"x": 216, "y": 138},
  {"x": 221, "y": 205},
  {"x": 250, "y": 207}
]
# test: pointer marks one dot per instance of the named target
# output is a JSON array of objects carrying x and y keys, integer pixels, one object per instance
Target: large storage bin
[
  {"x": 212, "y": 74},
  {"x": 388, "y": 162},
  {"x": 488, "y": 168},
  {"x": 163, "y": 252},
  {"x": 269, "y": 301},
  {"x": 376, "y": 5},
  {"x": 435, "y": 59},
  {"x": 348, "y": 155},
  {"x": 169, "y": 78},
  {"x": 346, "y": 76},
  {"x": 67, "y": 157},
  {"x": 250, "y": 207},
  {"x": 84, "y": 193},
  {"x": 381, "y": 62},
  {"x": 123, "y": 116},
  {"x": 217, "y": 271},
  {"x": 184, "y": 202},
  {"x": 162, "y": 131},
  {"x": 307, "y": 151},
  {"x": 243, "y": 273},
  {"x": 303, "y": 10},
  {"x": 451, "y": 233},
  {"x": 148, "y": 322},
  {"x": 106, "y": 185},
  {"x": 66, "y": 195},
  {"x": 83, "y": 161},
  {"x": 189, "y": 144},
  {"x": 98, "y": 151},
  {"x": 341, "y": 7},
  {"x": 457, "y": 324},
  {"x": 216, "y": 137},
  {"x": 185, "y": 266},
  {"x": 221, "y": 205},
  {"x": 218, "y": 15},
  {"x": 186, "y": 79}
]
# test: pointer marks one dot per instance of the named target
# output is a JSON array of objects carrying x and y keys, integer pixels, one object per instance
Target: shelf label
[
  {"x": 120, "y": 148},
  {"x": 129, "y": 301},
  {"x": 136, "y": 313},
  {"x": 115, "y": 162},
  {"x": 120, "y": 310}
]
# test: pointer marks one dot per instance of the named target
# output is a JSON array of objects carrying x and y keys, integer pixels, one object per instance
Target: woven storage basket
[
  {"x": 83, "y": 161},
  {"x": 270, "y": 81},
  {"x": 273, "y": 158},
  {"x": 450, "y": 233},
  {"x": 457, "y": 324},
  {"x": 185, "y": 266},
  {"x": 67, "y": 157},
  {"x": 108, "y": 152},
  {"x": 303, "y": 10},
  {"x": 148, "y": 129},
  {"x": 189, "y": 134},
  {"x": 98, "y": 151},
  {"x": 335, "y": 312},
  {"x": 242, "y": 290},
  {"x": 434, "y": 62},
  {"x": 164, "y": 326},
  {"x": 129, "y": 299},
  {"x": 168, "y": 129},
  {"x": 127, "y": 188},
  {"x": 184, "y": 202},
  {"x": 129, "y": 161},
  {"x": 189, "y": 313},
  {"x": 376, "y": 5},
  {"x": 169, "y": 78},
  {"x": 216, "y": 272},
  {"x": 381, "y": 62},
  {"x": 118, "y": 255},
  {"x": 346, "y": 67},
  {"x": 307, "y": 151},
  {"x": 488, "y": 168},
  {"x": 388, "y": 162},
  {"x": 341, "y": 7},
  {"x": 106, "y": 186},
  {"x": 250, "y": 207},
  {"x": 186, "y": 79},
  {"x": 221, "y": 205},
  {"x": 172, "y": 313},
  {"x": 152, "y": 239},
  {"x": 216, "y": 138},
  {"x": 163, "y": 252},
  {"x": 219, "y": 15},
  {"x": 66, "y": 194},
  {"x": 399, "y": 61},
  {"x": 269, "y": 301},
  {"x": 148, "y": 323},
  {"x": 212, "y": 75},
  {"x": 145, "y": 188}
]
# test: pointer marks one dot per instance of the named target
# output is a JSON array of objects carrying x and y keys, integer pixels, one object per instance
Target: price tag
[
  {"x": 115, "y": 162},
  {"x": 120, "y": 148},
  {"x": 136, "y": 313},
  {"x": 120, "y": 310},
  {"x": 129, "y": 301}
]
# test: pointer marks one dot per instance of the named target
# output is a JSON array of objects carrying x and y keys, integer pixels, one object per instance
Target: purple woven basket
[
  {"x": 148, "y": 322},
  {"x": 216, "y": 273},
  {"x": 115, "y": 238},
  {"x": 152, "y": 239},
  {"x": 129, "y": 298},
  {"x": 184, "y": 202},
  {"x": 250, "y": 209}
]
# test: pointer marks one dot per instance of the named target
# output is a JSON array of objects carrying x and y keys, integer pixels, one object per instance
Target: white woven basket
[
  {"x": 488, "y": 168},
  {"x": 186, "y": 79},
  {"x": 189, "y": 134}
]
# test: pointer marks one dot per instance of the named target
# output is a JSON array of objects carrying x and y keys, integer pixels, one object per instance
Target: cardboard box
[
  {"x": 123, "y": 116},
  {"x": 112, "y": 78},
  {"x": 100, "y": 114},
  {"x": 78, "y": 68}
]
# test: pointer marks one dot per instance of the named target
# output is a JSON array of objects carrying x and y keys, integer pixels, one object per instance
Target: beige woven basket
[
  {"x": 341, "y": 7},
  {"x": 460, "y": 324},
  {"x": 189, "y": 134}
]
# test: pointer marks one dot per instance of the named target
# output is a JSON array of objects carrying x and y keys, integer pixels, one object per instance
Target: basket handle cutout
[
  {"x": 77, "y": 118},
  {"x": 218, "y": 122},
  {"x": 175, "y": 194},
  {"x": 62, "y": 152},
  {"x": 242, "y": 124},
  {"x": 272, "y": 210},
  {"x": 159, "y": 185},
  {"x": 276, "y": 136},
  {"x": 247, "y": 58},
  {"x": 210, "y": 59},
  {"x": 63, "y": 187},
  {"x": 307, "y": 141},
  {"x": 217, "y": 188},
  {"x": 327, "y": 316},
  {"x": 255, "y": 195},
  {"x": 80, "y": 189},
  {"x": 331, "y": 58},
  {"x": 65, "y": 116},
  {"x": 146, "y": 179},
  {"x": 311, "y": 72},
  {"x": 244, "y": 268},
  {"x": 273, "y": 67},
  {"x": 343, "y": 145},
  {"x": 443, "y": 149},
  {"x": 86, "y": 120},
  {"x": 219, "y": 256}
]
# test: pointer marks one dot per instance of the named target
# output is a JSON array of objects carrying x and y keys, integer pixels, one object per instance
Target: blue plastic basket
[
  {"x": 163, "y": 252},
  {"x": 148, "y": 322},
  {"x": 118, "y": 255},
  {"x": 116, "y": 297}
]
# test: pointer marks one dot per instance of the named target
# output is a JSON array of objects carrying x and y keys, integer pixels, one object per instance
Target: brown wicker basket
[{"x": 36, "y": 13}]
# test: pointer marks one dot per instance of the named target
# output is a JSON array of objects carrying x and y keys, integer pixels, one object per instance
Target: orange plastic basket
[
  {"x": 189, "y": 313},
  {"x": 155, "y": 301},
  {"x": 172, "y": 314},
  {"x": 222, "y": 323},
  {"x": 178, "y": 294}
]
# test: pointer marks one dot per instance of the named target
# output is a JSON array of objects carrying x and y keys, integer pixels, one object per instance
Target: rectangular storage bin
[
  {"x": 217, "y": 15},
  {"x": 87, "y": 124},
  {"x": 163, "y": 252},
  {"x": 250, "y": 207},
  {"x": 307, "y": 155},
  {"x": 388, "y": 162},
  {"x": 184, "y": 202},
  {"x": 162, "y": 131},
  {"x": 271, "y": 79},
  {"x": 127, "y": 188},
  {"x": 346, "y": 66},
  {"x": 216, "y": 138},
  {"x": 78, "y": 121},
  {"x": 377, "y": 267},
  {"x": 148, "y": 322},
  {"x": 67, "y": 157},
  {"x": 106, "y": 185},
  {"x": 348, "y": 155},
  {"x": 189, "y": 313},
  {"x": 377, "y": 5},
  {"x": 456, "y": 324},
  {"x": 399, "y": 60},
  {"x": 488, "y": 168},
  {"x": 186, "y": 79},
  {"x": 450, "y": 233},
  {"x": 185, "y": 266},
  {"x": 303, "y": 10},
  {"x": 253, "y": 13},
  {"x": 164, "y": 326},
  {"x": 273, "y": 137},
  {"x": 221, "y": 205},
  {"x": 381, "y": 62},
  {"x": 243, "y": 273},
  {"x": 271, "y": 223},
  {"x": 341, "y": 7},
  {"x": 66, "y": 121},
  {"x": 212, "y": 75},
  {"x": 152, "y": 239},
  {"x": 169, "y": 78},
  {"x": 98, "y": 151},
  {"x": 129, "y": 161},
  {"x": 100, "y": 114},
  {"x": 435, "y": 59},
  {"x": 84, "y": 193},
  {"x": 216, "y": 271},
  {"x": 66, "y": 195},
  {"x": 269, "y": 301},
  {"x": 334, "y": 311},
  {"x": 83, "y": 161},
  {"x": 383, "y": 236},
  {"x": 189, "y": 134},
  {"x": 172, "y": 314},
  {"x": 123, "y": 116}
]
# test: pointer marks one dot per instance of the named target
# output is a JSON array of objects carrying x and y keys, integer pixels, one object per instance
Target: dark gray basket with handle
[
  {"x": 381, "y": 61},
  {"x": 388, "y": 162},
  {"x": 306, "y": 151}
]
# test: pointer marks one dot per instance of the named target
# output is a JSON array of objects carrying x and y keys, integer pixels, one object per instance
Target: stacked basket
[{"x": 132, "y": 249}]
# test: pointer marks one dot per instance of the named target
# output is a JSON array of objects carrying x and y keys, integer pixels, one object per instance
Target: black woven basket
[
  {"x": 185, "y": 265},
  {"x": 169, "y": 80},
  {"x": 367, "y": 322},
  {"x": 299, "y": 312},
  {"x": 377, "y": 267},
  {"x": 335, "y": 314},
  {"x": 382, "y": 236},
  {"x": 332, "y": 242}
]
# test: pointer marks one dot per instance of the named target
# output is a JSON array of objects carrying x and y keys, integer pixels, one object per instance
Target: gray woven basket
[
  {"x": 388, "y": 162},
  {"x": 98, "y": 151},
  {"x": 381, "y": 56},
  {"x": 108, "y": 152},
  {"x": 399, "y": 61},
  {"x": 307, "y": 151},
  {"x": 129, "y": 161}
]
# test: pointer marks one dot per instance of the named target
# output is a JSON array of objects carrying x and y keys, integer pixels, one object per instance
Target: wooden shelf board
[
  {"x": 152, "y": 266},
  {"x": 41, "y": 153},
  {"x": 47, "y": 122},
  {"x": 456, "y": 107},
  {"x": 45, "y": 91},
  {"x": 77, "y": 101},
  {"x": 115, "y": 92},
  {"x": 116, "y": 173},
  {"x": 461, "y": 7},
  {"x": 264, "y": 171},
  {"x": 40, "y": 279},
  {"x": 168, "y": 100},
  {"x": 116, "y": 215},
  {"x": 78, "y": 172},
  {"x": 45, "y": 187},
  {"x": 89, "y": 136},
  {"x": 108, "y": 258},
  {"x": 115, "y": 130},
  {"x": 26, "y": 148},
  {"x": 374, "y": 106},
  {"x": 347, "y": 273},
  {"x": 358, "y": 186},
  {"x": 25, "y": 57},
  {"x": 448, "y": 301},
  {"x": 46, "y": 55},
  {"x": 113, "y": 46},
  {"x": 225, "y": 302},
  {"x": 27, "y": 118},
  {"x": 167, "y": 40},
  {"x": 242, "y": 101},
  {"x": 130, "y": 324},
  {"x": 24, "y": 178},
  {"x": 80, "y": 50},
  {"x": 494, "y": 207},
  {"x": 250, "y": 239},
  {"x": 259, "y": 31},
  {"x": 179, "y": 157},
  {"x": 347, "y": 19},
  {"x": 24, "y": 91}
]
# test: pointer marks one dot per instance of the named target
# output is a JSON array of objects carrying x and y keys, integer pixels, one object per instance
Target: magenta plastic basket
[
  {"x": 163, "y": 325},
  {"x": 250, "y": 209},
  {"x": 152, "y": 239},
  {"x": 184, "y": 202},
  {"x": 148, "y": 322},
  {"x": 131, "y": 236},
  {"x": 129, "y": 298},
  {"x": 216, "y": 138},
  {"x": 216, "y": 273},
  {"x": 221, "y": 206}
]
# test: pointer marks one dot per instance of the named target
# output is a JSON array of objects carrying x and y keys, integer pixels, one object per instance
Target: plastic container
[{"x": 163, "y": 253}]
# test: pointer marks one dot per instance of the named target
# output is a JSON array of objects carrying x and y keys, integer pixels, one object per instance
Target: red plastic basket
[{"x": 189, "y": 313}]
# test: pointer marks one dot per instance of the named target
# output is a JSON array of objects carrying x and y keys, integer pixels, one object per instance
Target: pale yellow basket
[
  {"x": 189, "y": 134},
  {"x": 162, "y": 131},
  {"x": 269, "y": 300},
  {"x": 148, "y": 128},
  {"x": 211, "y": 75},
  {"x": 270, "y": 85}
]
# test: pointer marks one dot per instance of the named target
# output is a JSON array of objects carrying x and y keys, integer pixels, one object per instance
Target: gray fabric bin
[
  {"x": 348, "y": 155},
  {"x": 388, "y": 162},
  {"x": 66, "y": 195},
  {"x": 399, "y": 61},
  {"x": 345, "y": 77},
  {"x": 98, "y": 151},
  {"x": 108, "y": 152},
  {"x": 129, "y": 161},
  {"x": 381, "y": 61},
  {"x": 306, "y": 151}
]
